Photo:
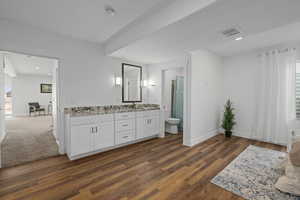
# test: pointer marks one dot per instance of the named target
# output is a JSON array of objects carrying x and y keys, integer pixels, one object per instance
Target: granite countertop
[{"x": 102, "y": 110}]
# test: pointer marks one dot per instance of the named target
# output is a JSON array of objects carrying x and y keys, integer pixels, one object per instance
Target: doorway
[
  {"x": 7, "y": 97},
  {"x": 29, "y": 102},
  {"x": 173, "y": 99}
]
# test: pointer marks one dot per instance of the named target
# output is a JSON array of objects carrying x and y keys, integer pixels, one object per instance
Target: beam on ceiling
[{"x": 162, "y": 15}]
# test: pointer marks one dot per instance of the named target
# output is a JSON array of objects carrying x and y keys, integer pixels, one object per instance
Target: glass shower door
[{"x": 177, "y": 100}]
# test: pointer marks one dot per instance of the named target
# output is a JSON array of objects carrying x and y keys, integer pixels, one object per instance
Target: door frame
[
  {"x": 186, "y": 74},
  {"x": 2, "y": 117},
  {"x": 59, "y": 106}
]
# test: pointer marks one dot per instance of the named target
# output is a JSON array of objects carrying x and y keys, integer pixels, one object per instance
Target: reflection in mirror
[{"x": 131, "y": 87}]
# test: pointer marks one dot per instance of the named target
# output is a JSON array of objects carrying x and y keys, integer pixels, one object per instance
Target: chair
[{"x": 35, "y": 107}]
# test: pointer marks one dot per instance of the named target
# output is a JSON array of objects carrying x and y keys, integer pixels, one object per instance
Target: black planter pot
[{"x": 228, "y": 134}]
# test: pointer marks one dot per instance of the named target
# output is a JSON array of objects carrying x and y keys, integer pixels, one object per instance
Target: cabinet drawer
[
  {"x": 125, "y": 125},
  {"x": 124, "y": 116},
  {"x": 84, "y": 120},
  {"x": 148, "y": 113},
  {"x": 106, "y": 118},
  {"x": 124, "y": 137},
  {"x": 92, "y": 119}
]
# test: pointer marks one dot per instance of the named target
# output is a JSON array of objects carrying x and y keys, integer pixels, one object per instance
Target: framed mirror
[{"x": 131, "y": 83}]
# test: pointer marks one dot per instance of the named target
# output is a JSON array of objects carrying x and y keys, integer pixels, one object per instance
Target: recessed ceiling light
[
  {"x": 110, "y": 10},
  {"x": 239, "y": 38},
  {"x": 37, "y": 68}
]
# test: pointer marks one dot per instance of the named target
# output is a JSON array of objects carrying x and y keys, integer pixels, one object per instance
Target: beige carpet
[{"x": 27, "y": 139}]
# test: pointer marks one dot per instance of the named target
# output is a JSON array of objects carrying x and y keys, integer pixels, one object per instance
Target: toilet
[{"x": 172, "y": 125}]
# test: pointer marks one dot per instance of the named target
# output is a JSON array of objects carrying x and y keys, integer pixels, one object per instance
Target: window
[{"x": 298, "y": 90}]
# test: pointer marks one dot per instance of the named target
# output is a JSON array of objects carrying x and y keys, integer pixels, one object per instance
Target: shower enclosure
[{"x": 177, "y": 100}]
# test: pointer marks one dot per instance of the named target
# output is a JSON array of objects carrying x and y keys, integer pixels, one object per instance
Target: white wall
[
  {"x": 169, "y": 76},
  {"x": 203, "y": 82},
  {"x": 206, "y": 74},
  {"x": 155, "y": 74},
  {"x": 2, "y": 89},
  {"x": 86, "y": 75},
  {"x": 240, "y": 85},
  {"x": 7, "y": 83},
  {"x": 25, "y": 89}
]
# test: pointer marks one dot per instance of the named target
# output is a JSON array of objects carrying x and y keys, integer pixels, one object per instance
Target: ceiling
[
  {"x": 156, "y": 31},
  {"x": 29, "y": 65},
  {"x": 288, "y": 34},
  {"x": 79, "y": 19},
  {"x": 262, "y": 23}
]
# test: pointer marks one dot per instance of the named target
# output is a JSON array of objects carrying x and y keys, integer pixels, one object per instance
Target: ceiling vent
[
  {"x": 231, "y": 32},
  {"x": 110, "y": 10}
]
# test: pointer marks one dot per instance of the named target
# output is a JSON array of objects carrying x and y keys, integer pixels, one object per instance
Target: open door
[{"x": 2, "y": 114}]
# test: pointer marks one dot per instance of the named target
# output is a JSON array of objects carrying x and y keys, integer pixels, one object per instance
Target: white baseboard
[
  {"x": 1, "y": 140},
  {"x": 249, "y": 135},
  {"x": 243, "y": 134},
  {"x": 239, "y": 133},
  {"x": 203, "y": 137}
]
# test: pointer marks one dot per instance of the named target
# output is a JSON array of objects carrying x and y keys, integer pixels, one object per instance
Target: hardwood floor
[{"x": 157, "y": 169}]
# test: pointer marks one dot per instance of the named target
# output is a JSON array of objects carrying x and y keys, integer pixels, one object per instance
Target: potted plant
[{"x": 228, "y": 119}]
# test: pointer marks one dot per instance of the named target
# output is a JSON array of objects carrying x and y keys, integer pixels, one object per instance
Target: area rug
[{"x": 253, "y": 174}]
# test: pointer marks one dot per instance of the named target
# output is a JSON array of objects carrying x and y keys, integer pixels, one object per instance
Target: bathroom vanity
[
  {"x": 91, "y": 130},
  {"x": 95, "y": 129}
]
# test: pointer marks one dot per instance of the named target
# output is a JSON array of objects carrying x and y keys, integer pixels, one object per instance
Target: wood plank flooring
[{"x": 156, "y": 169}]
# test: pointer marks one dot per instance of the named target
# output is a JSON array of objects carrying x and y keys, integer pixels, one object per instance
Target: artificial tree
[{"x": 228, "y": 118}]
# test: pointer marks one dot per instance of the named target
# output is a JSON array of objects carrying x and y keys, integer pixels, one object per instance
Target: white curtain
[{"x": 276, "y": 96}]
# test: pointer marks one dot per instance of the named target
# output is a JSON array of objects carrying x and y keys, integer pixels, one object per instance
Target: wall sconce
[
  {"x": 118, "y": 81},
  {"x": 152, "y": 83},
  {"x": 144, "y": 83}
]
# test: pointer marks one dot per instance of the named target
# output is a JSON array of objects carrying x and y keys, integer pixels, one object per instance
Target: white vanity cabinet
[
  {"x": 147, "y": 124},
  {"x": 87, "y": 135},
  {"x": 90, "y": 133}
]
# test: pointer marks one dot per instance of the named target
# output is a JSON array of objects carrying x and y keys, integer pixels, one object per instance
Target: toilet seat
[{"x": 173, "y": 120}]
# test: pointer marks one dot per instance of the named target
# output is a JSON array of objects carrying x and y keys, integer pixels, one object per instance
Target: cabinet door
[
  {"x": 104, "y": 136},
  {"x": 140, "y": 128},
  {"x": 151, "y": 126},
  {"x": 81, "y": 139},
  {"x": 155, "y": 125}
]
